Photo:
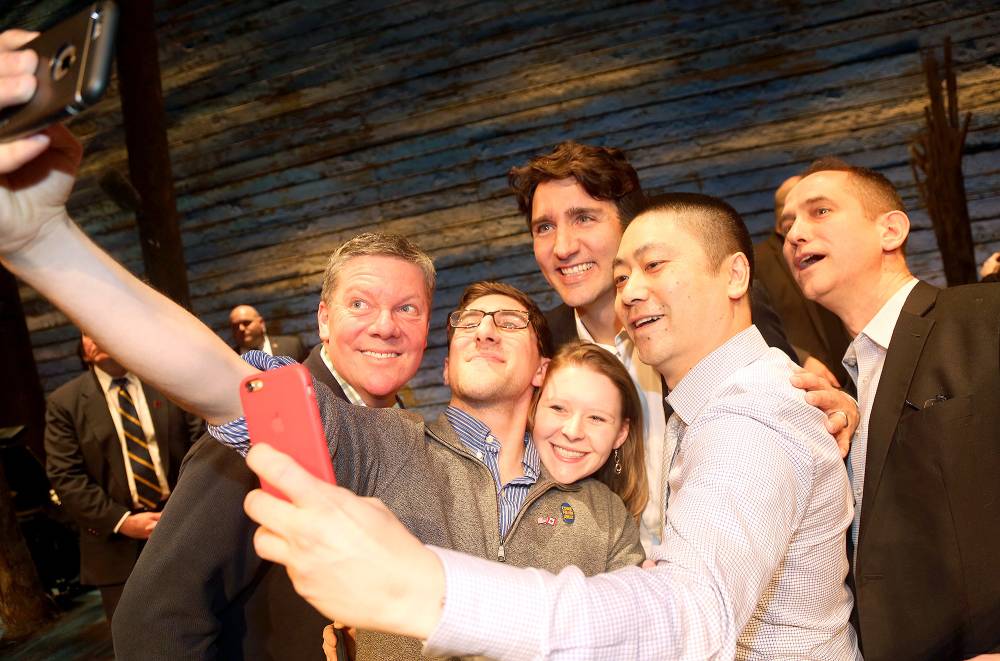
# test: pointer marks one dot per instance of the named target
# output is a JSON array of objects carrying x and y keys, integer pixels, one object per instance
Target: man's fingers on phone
[
  {"x": 265, "y": 509},
  {"x": 15, "y": 38},
  {"x": 16, "y": 89},
  {"x": 284, "y": 473},
  {"x": 270, "y": 546},
  {"x": 18, "y": 63},
  {"x": 15, "y": 154}
]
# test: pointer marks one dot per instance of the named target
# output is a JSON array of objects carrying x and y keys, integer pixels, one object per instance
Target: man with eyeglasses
[{"x": 466, "y": 480}]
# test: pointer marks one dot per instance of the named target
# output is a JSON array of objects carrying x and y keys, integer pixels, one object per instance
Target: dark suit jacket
[
  {"x": 85, "y": 466},
  {"x": 200, "y": 591},
  {"x": 288, "y": 345},
  {"x": 812, "y": 329},
  {"x": 927, "y": 574}
]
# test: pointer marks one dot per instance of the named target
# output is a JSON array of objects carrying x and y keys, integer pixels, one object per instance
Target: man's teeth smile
[
  {"x": 645, "y": 321},
  {"x": 577, "y": 268},
  {"x": 567, "y": 454},
  {"x": 381, "y": 354}
]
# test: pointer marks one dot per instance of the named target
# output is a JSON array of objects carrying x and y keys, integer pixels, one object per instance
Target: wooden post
[
  {"x": 148, "y": 152},
  {"x": 24, "y": 606},
  {"x": 936, "y": 151}
]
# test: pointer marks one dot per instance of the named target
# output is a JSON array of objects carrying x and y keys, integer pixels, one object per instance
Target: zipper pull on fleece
[{"x": 501, "y": 557}]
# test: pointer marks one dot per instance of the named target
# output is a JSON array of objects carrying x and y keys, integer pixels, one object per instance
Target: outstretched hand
[
  {"x": 347, "y": 556},
  {"x": 842, "y": 415},
  {"x": 36, "y": 172}
]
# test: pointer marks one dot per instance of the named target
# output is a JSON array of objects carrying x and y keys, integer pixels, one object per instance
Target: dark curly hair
[{"x": 604, "y": 173}]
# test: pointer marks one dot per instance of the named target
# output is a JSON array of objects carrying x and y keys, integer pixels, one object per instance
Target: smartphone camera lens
[{"x": 63, "y": 62}]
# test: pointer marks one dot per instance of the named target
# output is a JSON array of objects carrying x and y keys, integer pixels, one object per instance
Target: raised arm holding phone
[{"x": 40, "y": 244}]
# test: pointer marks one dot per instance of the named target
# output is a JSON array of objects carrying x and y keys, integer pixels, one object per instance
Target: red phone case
[{"x": 280, "y": 409}]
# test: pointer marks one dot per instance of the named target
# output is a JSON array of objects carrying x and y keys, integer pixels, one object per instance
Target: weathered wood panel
[{"x": 294, "y": 125}]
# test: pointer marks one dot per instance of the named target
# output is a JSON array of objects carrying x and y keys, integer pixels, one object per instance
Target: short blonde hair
[{"x": 377, "y": 244}]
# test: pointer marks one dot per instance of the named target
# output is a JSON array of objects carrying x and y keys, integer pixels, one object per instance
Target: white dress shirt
[
  {"x": 138, "y": 396},
  {"x": 650, "y": 388},
  {"x": 753, "y": 562},
  {"x": 864, "y": 360}
]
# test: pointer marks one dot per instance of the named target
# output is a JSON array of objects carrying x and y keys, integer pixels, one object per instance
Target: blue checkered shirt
[{"x": 479, "y": 440}]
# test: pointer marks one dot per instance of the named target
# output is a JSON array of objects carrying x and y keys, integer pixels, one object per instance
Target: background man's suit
[
  {"x": 85, "y": 466},
  {"x": 288, "y": 345},
  {"x": 214, "y": 596},
  {"x": 927, "y": 573},
  {"x": 810, "y": 327}
]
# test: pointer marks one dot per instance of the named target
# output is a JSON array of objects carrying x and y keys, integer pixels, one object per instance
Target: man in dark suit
[
  {"x": 816, "y": 334},
  {"x": 925, "y": 461},
  {"x": 113, "y": 447},
  {"x": 215, "y": 597},
  {"x": 250, "y": 332},
  {"x": 577, "y": 201}
]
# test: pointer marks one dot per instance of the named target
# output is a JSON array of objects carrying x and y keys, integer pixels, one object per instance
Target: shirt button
[
  {"x": 479, "y": 455},
  {"x": 857, "y": 494}
]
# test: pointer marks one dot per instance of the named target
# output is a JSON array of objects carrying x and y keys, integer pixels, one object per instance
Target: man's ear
[
  {"x": 738, "y": 268},
  {"x": 894, "y": 227},
  {"x": 444, "y": 372},
  {"x": 323, "y": 321},
  {"x": 539, "y": 378}
]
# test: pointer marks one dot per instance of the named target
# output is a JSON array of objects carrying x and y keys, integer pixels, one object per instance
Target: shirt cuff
[
  {"x": 118, "y": 525},
  {"x": 490, "y": 609},
  {"x": 235, "y": 433}
]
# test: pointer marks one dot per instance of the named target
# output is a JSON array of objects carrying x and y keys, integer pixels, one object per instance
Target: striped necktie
[{"x": 147, "y": 485}]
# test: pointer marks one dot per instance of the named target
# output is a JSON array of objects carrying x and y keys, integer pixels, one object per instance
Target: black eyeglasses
[{"x": 505, "y": 319}]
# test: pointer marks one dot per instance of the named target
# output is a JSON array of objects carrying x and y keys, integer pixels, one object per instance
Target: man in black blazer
[
  {"x": 250, "y": 332},
  {"x": 925, "y": 461},
  {"x": 89, "y": 464},
  {"x": 215, "y": 597},
  {"x": 816, "y": 334}
]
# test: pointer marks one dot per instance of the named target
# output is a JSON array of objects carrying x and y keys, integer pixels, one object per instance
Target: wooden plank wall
[{"x": 296, "y": 124}]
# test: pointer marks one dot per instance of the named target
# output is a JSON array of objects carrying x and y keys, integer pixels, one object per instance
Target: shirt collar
[
  {"x": 879, "y": 329},
  {"x": 691, "y": 395},
  {"x": 352, "y": 395},
  {"x": 473, "y": 434},
  {"x": 265, "y": 347},
  {"x": 584, "y": 334},
  {"x": 105, "y": 379}
]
